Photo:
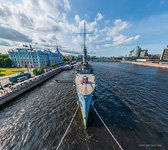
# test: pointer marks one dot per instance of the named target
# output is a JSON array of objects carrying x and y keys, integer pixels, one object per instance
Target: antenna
[
  {"x": 84, "y": 49},
  {"x": 57, "y": 48},
  {"x": 84, "y": 44}
]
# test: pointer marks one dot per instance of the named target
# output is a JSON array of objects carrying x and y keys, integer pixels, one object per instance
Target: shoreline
[
  {"x": 29, "y": 84},
  {"x": 149, "y": 64}
]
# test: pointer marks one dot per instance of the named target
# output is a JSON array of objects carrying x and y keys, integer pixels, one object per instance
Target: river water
[{"x": 132, "y": 100}]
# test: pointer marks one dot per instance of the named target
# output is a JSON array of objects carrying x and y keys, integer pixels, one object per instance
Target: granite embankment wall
[
  {"x": 148, "y": 64},
  {"x": 28, "y": 84}
]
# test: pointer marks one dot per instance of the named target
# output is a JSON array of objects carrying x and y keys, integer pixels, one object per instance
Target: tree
[
  {"x": 53, "y": 65},
  {"x": 5, "y": 61},
  {"x": 37, "y": 72},
  {"x": 68, "y": 58},
  {"x": 1, "y": 62},
  {"x": 65, "y": 59},
  {"x": 41, "y": 71}
]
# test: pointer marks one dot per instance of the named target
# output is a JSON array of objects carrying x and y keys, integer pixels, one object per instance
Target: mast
[{"x": 84, "y": 49}]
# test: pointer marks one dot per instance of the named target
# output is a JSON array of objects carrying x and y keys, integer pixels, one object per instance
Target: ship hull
[{"x": 84, "y": 101}]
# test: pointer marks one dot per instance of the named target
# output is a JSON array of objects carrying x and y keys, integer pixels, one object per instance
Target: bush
[
  {"x": 37, "y": 72},
  {"x": 41, "y": 71},
  {"x": 53, "y": 65}
]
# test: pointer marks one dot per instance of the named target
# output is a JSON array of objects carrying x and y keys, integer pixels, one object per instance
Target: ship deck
[{"x": 85, "y": 89}]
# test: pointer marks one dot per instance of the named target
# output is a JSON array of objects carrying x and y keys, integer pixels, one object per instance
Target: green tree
[
  {"x": 35, "y": 72},
  {"x": 38, "y": 71},
  {"x": 68, "y": 58},
  {"x": 1, "y": 62},
  {"x": 65, "y": 59},
  {"x": 5, "y": 61},
  {"x": 53, "y": 65}
]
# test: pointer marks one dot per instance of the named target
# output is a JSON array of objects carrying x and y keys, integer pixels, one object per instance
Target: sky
[{"x": 114, "y": 27}]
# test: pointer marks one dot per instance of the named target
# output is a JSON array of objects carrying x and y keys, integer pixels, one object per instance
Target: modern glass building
[
  {"x": 143, "y": 53},
  {"x": 32, "y": 58},
  {"x": 135, "y": 52},
  {"x": 164, "y": 56}
]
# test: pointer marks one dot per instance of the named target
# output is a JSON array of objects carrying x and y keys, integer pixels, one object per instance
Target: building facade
[
  {"x": 135, "y": 52},
  {"x": 32, "y": 58},
  {"x": 143, "y": 53},
  {"x": 164, "y": 56},
  {"x": 138, "y": 52}
]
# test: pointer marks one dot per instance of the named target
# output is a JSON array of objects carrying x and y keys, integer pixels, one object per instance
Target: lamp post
[{"x": 26, "y": 66}]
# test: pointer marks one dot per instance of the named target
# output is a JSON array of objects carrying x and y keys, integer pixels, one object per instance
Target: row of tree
[
  {"x": 5, "y": 61},
  {"x": 38, "y": 71},
  {"x": 69, "y": 58}
]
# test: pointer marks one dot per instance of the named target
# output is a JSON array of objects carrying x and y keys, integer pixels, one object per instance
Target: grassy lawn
[{"x": 10, "y": 71}]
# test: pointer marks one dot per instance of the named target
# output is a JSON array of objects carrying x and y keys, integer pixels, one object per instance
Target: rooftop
[{"x": 32, "y": 50}]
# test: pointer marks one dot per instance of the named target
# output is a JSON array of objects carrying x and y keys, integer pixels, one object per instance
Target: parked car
[{"x": 6, "y": 85}]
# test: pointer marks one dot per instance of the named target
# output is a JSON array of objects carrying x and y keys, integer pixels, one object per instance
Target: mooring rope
[
  {"x": 107, "y": 128},
  {"x": 67, "y": 129}
]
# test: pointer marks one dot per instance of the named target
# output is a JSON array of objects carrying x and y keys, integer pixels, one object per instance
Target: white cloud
[
  {"x": 35, "y": 19},
  {"x": 99, "y": 17},
  {"x": 107, "y": 45},
  {"x": 77, "y": 19},
  {"x": 5, "y": 42},
  {"x": 115, "y": 35},
  {"x": 122, "y": 39},
  {"x": 11, "y": 34},
  {"x": 45, "y": 23},
  {"x": 67, "y": 6}
]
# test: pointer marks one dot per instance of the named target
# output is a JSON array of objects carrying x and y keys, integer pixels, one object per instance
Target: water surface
[{"x": 131, "y": 99}]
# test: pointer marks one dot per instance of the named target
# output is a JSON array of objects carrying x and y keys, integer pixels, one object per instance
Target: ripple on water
[{"x": 131, "y": 99}]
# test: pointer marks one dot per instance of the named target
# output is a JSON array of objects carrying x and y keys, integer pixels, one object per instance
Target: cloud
[
  {"x": 99, "y": 17},
  {"x": 39, "y": 19},
  {"x": 67, "y": 5},
  {"x": 119, "y": 26},
  {"x": 11, "y": 34},
  {"x": 71, "y": 51},
  {"x": 115, "y": 35},
  {"x": 77, "y": 19},
  {"x": 45, "y": 24},
  {"x": 4, "y": 43},
  {"x": 107, "y": 45},
  {"x": 122, "y": 39}
]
